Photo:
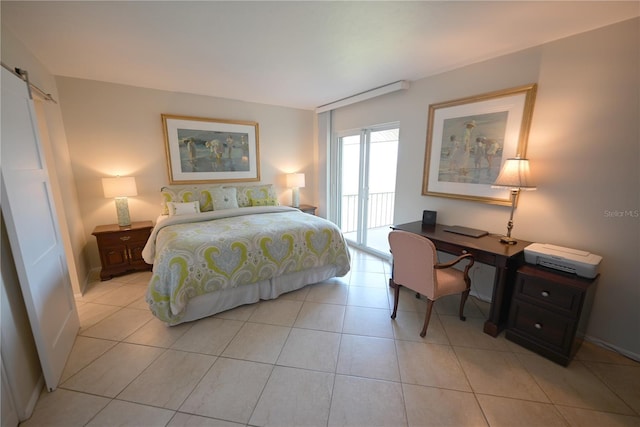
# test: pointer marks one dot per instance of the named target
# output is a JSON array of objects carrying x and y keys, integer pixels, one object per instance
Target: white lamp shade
[
  {"x": 295, "y": 180},
  {"x": 119, "y": 187},
  {"x": 516, "y": 174}
]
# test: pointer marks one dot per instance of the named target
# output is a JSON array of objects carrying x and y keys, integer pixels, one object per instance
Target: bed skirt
[{"x": 209, "y": 304}]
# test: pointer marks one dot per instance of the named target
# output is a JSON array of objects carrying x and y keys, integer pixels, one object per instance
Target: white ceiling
[{"x": 298, "y": 54}]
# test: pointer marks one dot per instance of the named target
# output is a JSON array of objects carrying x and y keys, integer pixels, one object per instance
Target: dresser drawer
[
  {"x": 549, "y": 312},
  {"x": 542, "y": 325},
  {"x": 566, "y": 299}
]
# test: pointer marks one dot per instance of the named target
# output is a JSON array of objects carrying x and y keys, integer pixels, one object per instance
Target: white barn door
[{"x": 34, "y": 236}]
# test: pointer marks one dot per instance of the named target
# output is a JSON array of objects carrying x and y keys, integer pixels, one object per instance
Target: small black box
[{"x": 429, "y": 217}]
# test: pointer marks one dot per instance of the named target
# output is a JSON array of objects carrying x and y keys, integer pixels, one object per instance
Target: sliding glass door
[{"x": 367, "y": 174}]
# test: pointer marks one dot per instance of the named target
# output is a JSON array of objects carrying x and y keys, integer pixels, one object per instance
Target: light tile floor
[{"x": 326, "y": 355}]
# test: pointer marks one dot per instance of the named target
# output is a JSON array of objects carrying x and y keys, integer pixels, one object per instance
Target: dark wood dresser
[
  {"x": 121, "y": 247},
  {"x": 550, "y": 311}
]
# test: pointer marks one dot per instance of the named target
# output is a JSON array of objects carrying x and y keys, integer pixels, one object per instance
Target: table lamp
[
  {"x": 295, "y": 181},
  {"x": 515, "y": 175},
  {"x": 120, "y": 188}
]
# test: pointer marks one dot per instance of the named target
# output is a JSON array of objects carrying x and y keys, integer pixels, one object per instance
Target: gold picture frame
[
  {"x": 468, "y": 139},
  {"x": 202, "y": 150}
]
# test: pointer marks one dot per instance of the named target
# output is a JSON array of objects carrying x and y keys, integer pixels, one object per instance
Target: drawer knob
[
  {"x": 538, "y": 326},
  {"x": 545, "y": 294},
  {"x": 125, "y": 238},
  {"x": 464, "y": 252}
]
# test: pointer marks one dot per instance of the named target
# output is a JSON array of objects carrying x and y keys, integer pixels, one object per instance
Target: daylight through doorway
[{"x": 368, "y": 164}]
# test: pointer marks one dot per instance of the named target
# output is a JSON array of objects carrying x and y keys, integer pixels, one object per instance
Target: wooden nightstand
[
  {"x": 308, "y": 209},
  {"x": 121, "y": 247},
  {"x": 550, "y": 311}
]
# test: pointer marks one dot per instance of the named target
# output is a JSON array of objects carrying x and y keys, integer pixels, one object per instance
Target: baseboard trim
[
  {"x": 33, "y": 400},
  {"x": 35, "y": 395},
  {"x": 609, "y": 346},
  {"x": 92, "y": 276}
]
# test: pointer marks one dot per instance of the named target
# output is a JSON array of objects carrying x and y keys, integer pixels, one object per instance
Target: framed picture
[
  {"x": 201, "y": 150},
  {"x": 469, "y": 139}
]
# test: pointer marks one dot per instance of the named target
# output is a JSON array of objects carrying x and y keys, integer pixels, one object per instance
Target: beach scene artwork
[
  {"x": 213, "y": 151},
  {"x": 472, "y": 147}
]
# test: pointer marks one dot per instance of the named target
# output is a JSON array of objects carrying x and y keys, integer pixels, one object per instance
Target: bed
[{"x": 208, "y": 262}]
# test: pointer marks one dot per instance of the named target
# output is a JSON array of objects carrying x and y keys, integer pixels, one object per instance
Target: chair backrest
[{"x": 414, "y": 258}]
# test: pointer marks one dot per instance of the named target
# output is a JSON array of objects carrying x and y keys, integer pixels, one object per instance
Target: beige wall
[
  {"x": 584, "y": 148},
  {"x": 115, "y": 129}
]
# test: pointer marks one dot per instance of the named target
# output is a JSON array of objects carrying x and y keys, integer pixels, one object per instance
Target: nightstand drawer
[
  {"x": 126, "y": 237},
  {"x": 543, "y": 325}
]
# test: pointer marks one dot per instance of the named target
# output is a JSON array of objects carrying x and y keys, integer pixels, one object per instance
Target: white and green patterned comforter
[{"x": 202, "y": 253}]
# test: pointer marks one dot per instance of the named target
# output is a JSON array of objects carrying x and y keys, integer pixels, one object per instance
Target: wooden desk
[{"x": 487, "y": 250}]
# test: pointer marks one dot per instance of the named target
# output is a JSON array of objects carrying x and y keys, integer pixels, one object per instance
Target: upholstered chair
[{"x": 415, "y": 266}]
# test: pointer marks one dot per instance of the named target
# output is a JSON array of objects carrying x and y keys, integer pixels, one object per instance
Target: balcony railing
[{"x": 380, "y": 212}]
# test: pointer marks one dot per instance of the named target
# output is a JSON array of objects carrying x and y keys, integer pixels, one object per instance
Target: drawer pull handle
[
  {"x": 538, "y": 326},
  {"x": 545, "y": 294},
  {"x": 125, "y": 238}
]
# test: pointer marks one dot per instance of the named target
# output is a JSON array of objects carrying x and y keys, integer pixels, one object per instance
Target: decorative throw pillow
[
  {"x": 256, "y": 192},
  {"x": 265, "y": 201},
  {"x": 177, "y": 208},
  {"x": 224, "y": 198},
  {"x": 180, "y": 195},
  {"x": 206, "y": 197}
]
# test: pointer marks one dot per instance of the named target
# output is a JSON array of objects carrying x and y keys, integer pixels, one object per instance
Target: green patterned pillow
[
  {"x": 256, "y": 192},
  {"x": 206, "y": 197},
  {"x": 249, "y": 195},
  {"x": 180, "y": 195},
  {"x": 266, "y": 201}
]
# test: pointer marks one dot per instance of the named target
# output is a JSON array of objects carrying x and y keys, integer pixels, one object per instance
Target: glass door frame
[{"x": 363, "y": 181}]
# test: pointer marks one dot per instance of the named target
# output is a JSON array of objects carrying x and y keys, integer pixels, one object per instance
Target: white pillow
[
  {"x": 187, "y": 208},
  {"x": 224, "y": 198}
]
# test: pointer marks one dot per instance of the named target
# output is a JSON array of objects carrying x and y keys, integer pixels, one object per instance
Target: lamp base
[
  {"x": 122, "y": 208},
  {"x": 295, "y": 197},
  {"x": 508, "y": 240}
]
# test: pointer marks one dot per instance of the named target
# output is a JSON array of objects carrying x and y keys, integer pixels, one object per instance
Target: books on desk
[{"x": 465, "y": 231}]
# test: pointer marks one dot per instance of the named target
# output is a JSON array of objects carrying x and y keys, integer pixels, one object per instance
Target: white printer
[{"x": 582, "y": 263}]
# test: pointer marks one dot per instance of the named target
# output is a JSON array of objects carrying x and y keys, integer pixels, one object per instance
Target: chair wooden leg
[
  {"x": 426, "y": 318},
  {"x": 396, "y": 297},
  {"x": 463, "y": 300}
]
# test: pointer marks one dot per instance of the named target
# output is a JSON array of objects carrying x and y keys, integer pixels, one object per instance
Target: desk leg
[
  {"x": 501, "y": 298},
  {"x": 492, "y": 325}
]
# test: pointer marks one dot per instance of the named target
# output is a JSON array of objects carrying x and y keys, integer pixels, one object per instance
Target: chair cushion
[{"x": 450, "y": 281}]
